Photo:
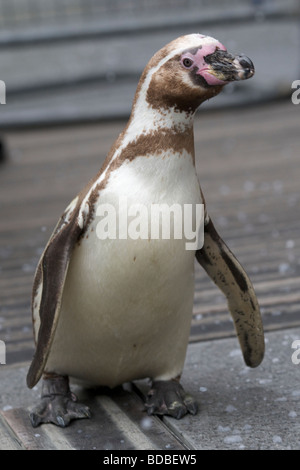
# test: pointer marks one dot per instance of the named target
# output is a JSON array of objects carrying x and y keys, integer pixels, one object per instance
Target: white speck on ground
[
  {"x": 289, "y": 244},
  {"x": 247, "y": 427},
  {"x": 146, "y": 423},
  {"x": 264, "y": 381},
  {"x": 283, "y": 268},
  {"x": 230, "y": 408},
  {"x": 235, "y": 439},
  {"x": 235, "y": 353},
  {"x": 223, "y": 428},
  {"x": 7, "y": 407}
]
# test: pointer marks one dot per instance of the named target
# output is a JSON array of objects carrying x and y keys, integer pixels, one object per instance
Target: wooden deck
[{"x": 248, "y": 165}]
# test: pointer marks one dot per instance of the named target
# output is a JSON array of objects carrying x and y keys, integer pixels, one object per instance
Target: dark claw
[
  {"x": 191, "y": 404},
  {"x": 61, "y": 422},
  {"x": 58, "y": 404},
  {"x": 169, "y": 398},
  {"x": 34, "y": 419},
  {"x": 177, "y": 410},
  {"x": 52, "y": 412},
  {"x": 86, "y": 412}
]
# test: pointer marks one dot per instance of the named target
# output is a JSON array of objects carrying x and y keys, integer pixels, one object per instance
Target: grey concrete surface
[
  {"x": 240, "y": 408},
  {"x": 243, "y": 408}
]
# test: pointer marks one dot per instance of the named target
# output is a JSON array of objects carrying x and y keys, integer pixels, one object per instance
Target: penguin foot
[
  {"x": 167, "y": 397},
  {"x": 58, "y": 404}
]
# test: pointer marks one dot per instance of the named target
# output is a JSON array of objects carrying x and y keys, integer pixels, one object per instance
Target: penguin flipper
[
  {"x": 48, "y": 286},
  {"x": 225, "y": 270}
]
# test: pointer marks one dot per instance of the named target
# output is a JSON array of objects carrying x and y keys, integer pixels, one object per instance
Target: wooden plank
[
  {"x": 132, "y": 431},
  {"x": 8, "y": 440},
  {"x": 118, "y": 422},
  {"x": 124, "y": 422},
  {"x": 43, "y": 438},
  {"x": 126, "y": 426}
]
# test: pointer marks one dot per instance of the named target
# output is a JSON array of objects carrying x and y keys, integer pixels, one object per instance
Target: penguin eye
[{"x": 187, "y": 62}]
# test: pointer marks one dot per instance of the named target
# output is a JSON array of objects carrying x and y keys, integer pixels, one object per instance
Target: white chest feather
[
  {"x": 153, "y": 179},
  {"x": 127, "y": 303}
]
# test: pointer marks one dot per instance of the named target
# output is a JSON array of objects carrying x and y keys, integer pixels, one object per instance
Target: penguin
[{"x": 108, "y": 308}]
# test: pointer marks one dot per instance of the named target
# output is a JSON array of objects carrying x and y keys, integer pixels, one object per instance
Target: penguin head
[{"x": 190, "y": 70}]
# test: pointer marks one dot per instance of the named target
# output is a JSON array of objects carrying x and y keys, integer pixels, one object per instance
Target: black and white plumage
[{"x": 110, "y": 311}]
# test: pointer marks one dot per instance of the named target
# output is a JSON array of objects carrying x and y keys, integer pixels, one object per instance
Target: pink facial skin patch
[
  {"x": 199, "y": 62},
  {"x": 211, "y": 79}
]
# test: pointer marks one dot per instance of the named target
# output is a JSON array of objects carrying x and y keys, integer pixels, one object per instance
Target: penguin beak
[{"x": 226, "y": 67}]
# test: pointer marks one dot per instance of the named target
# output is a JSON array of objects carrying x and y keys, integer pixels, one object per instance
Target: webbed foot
[
  {"x": 167, "y": 397},
  {"x": 58, "y": 404}
]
